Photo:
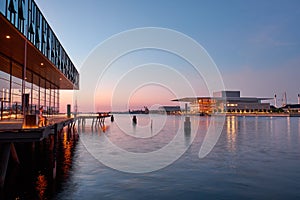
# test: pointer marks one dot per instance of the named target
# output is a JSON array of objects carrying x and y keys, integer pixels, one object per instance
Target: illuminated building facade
[
  {"x": 33, "y": 64},
  {"x": 170, "y": 110},
  {"x": 226, "y": 102}
]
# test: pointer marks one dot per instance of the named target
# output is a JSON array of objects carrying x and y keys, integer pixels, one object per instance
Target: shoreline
[{"x": 260, "y": 114}]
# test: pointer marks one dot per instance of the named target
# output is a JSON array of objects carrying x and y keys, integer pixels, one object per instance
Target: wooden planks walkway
[{"x": 12, "y": 131}]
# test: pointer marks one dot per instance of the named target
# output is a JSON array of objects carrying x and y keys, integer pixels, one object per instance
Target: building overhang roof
[{"x": 13, "y": 48}]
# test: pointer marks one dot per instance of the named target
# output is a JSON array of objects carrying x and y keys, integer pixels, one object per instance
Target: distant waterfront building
[
  {"x": 33, "y": 64},
  {"x": 226, "y": 102},
  {"x": 170, "y": 110},
  {"x": 291, "y": 108}
]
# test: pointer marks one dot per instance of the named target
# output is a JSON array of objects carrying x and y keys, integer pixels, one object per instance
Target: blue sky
[{"x": 255, "y": 44}]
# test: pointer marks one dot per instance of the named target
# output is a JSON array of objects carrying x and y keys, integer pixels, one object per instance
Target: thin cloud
[{"x": 269, "y": 36}]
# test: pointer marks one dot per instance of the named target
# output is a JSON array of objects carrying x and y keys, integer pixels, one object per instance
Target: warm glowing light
[
  {"x": 231, "y": 105},
  {"x": 60, "y": 79},
  {"x": 7, "y": 37},
  {"x": 42, "y": 64},
  {"x": 29, "y": 127}
]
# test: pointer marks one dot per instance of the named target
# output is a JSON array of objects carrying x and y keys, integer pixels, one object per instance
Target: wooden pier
[
  {"x": 11, "y": 132},
  {"x": 97, "y": 118}
]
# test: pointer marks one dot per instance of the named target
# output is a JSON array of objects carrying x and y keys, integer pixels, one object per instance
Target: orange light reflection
[
  {"x": 232, "y": 125},
  {"x": 67, "y": 144},
  {"x": 41, "y": 186}
]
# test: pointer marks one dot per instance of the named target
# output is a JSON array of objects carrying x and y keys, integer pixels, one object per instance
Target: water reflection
[
  {"x": 247, "y": 164},
  {"x": 288, "y": 120},
  {"x": 35, "y": 177},
  {"x": 299, "y": 127},
  {"x": 187, "y": 131},
  {"x": 271, "y": 124},
  {"x": 67, "y": 153},
  {"x": 41, "y": 186},
  {"x": 244, "y": 124},
  {"x": 104, "y": 128},
  {"x": 232, "y": 126}
]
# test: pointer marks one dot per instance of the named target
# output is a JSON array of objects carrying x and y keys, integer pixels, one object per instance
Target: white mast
[{"x": 284, "y": 101}]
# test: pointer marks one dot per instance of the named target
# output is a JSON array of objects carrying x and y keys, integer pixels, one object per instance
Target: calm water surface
[{"x": 254, "y": 158}]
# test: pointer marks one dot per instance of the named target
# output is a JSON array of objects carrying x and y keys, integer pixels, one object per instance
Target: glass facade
[
  {"x": 18, "y": 95},
  {"x": 28, "y": 19},
  {"x": 11, "y": 93}
]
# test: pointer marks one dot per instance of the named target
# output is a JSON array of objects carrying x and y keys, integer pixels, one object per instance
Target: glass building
[
  {"x": 226, "y": 102},
  {"x": 33, "y": 64}
]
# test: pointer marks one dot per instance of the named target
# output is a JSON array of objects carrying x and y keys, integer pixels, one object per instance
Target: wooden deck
[{"x": 12, "y": 131}]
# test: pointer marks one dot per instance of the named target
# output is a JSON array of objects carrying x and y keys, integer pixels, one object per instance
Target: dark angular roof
[{"x": 289, "y": 106}]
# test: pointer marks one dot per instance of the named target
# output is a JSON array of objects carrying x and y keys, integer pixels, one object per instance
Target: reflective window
[
  {"x": 2, "y": 7},
  {"x": 25, "y": 13}
]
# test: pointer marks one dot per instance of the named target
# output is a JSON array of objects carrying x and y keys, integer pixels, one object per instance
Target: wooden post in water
[
  {"x": 51, "y": 146},
  {"x": 187, "y": 122},
  {"x": 82, "y": 122},
  {"x": 4, "y": 157},
  {"x": 14, "y": 153},
  {"x": 187, "y": 125},
  {"x": 33, "y": 146},
  {"x": 54, "y": 150},
  {"x": 186, "y": 109}
]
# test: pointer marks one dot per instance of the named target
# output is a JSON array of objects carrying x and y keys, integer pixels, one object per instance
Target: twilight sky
[{"x": 254, "y": 44}]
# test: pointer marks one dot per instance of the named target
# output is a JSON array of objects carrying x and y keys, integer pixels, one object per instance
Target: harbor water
[{"x": 254, "y": 158}]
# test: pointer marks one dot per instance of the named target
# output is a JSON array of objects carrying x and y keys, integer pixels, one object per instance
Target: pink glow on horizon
[
  {"x": 66, "y": 97},
  {"x": 151, "y": 96}
]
